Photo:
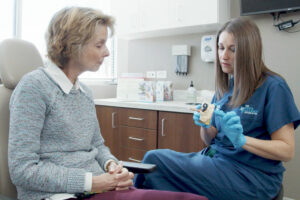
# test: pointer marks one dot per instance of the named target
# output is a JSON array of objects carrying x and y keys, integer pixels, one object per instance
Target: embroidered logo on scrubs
[{"x": 247, "y": 109}]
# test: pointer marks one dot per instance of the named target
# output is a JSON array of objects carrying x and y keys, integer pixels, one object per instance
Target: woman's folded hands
[{"x": 117, "y": 178}]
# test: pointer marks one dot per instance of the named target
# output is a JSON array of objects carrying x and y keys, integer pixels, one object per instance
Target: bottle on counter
[{"x": 191, "y": 94}]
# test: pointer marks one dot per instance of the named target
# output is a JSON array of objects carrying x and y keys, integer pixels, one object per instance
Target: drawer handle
[
  {"x": 136, "y": 118},
  {"x": 113, "y": 120},
  {"x": 135, "y": 160},
  {"x": 163, "y": 127},
  {"x": 136, "y": 139}
]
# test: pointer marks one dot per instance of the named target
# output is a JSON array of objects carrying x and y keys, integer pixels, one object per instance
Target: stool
[{"x": 279, "y": 195}]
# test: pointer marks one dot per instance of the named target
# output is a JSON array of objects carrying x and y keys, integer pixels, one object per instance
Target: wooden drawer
[
  {"x": 138, "y": 138},
  {"x": 138, "y": 118},
  {"x": 133, "y": 155}
]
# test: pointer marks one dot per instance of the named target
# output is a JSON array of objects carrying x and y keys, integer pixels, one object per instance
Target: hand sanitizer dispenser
[
  {"x": 208, "y": 48},
  {"x": 191, "y": 94}
]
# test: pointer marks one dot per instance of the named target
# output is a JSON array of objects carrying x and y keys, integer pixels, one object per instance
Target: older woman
[
  {"x": 252, "y": 129},
  {"x": 55, "y": 145}
]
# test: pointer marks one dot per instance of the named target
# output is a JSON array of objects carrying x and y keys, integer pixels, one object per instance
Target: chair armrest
[
  {"x": 139, "y": 168},
  {"x": 5, "y": 197}
]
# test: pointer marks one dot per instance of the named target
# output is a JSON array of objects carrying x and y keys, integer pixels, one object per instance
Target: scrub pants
[{"x": 215, "y": 177}]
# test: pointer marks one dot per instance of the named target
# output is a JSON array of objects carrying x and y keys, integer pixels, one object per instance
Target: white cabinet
[
  {"x": 195, "y": 12},
  {"x": 154, "y": 14},
  {"x": 150, "y": 18},
  {"x": 127, "y": 15}
]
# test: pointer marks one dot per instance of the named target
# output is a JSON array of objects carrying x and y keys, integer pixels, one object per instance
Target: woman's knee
[
  {"x": 152, "y": 156},
  {"x": 149, "y": 156}
]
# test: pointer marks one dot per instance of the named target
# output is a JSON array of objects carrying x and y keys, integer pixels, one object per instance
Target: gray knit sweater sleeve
[{"x": 54, "y": 138}]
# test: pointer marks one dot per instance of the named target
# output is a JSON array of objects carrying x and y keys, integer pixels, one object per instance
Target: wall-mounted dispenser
[
  {"x": 181, "y": 53},
  {"x": 208, "y": 48}
]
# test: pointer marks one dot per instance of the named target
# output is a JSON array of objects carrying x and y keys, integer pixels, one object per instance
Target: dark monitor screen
[{"x": 253, "y": 7}]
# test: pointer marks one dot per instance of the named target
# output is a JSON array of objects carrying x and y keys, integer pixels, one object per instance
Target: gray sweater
[{"x": 54, "y": 138}]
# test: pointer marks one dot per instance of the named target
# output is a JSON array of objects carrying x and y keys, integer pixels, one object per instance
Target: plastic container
[{"x": 191, "y": 94}]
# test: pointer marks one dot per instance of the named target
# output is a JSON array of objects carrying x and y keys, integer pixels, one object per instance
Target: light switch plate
[
  {"x": 161, "y": 74},
  {"x": 151, "y": 74}
]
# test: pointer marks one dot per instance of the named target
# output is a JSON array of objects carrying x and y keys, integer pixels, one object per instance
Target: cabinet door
[
  {"x": 133, "y": 155},
  {"x": 155, "y": 14},
  {"x": 108, "y": 121},
  {"x": 137, "y": 138},
  {"x": 144, "y": 18},
  {"x": 177, "y": 131},
  {"x": 138, "y": 133},
  {"x": 127, "y": 14},
  {"x": 138, "y": 118},
  {"x": 195, "y": 12}
]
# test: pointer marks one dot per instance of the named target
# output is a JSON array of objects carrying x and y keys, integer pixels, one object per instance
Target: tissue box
[
  {"x": 160, "y": 89},
  {"x": 164, "y": 91},
  {"x": 147, "y": 91},
  {"x": 128, "y": 88}
]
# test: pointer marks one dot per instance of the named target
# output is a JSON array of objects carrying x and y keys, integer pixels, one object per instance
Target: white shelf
[{"x": 171, "y": 31}]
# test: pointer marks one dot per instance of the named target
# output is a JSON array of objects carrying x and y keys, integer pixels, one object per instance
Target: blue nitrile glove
[
  {"x": 196, "y": 118},
  {"x": 232, "y": 127}
]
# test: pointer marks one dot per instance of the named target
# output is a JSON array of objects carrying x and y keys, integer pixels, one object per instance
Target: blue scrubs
[{"x": 230, "y": 173}]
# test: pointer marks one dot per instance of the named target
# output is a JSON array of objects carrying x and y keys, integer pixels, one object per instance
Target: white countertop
[{"x": 171, "y": 106}]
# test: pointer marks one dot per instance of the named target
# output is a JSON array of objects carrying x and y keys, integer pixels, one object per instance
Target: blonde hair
[
  {"x": 249, "y": 68},
  {"x": 70, "y": 29}
]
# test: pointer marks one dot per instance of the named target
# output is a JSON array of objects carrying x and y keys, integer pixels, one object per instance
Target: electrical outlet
[
  {"x": 161, "y": 74},
  {"x": 151, "y": 74}
]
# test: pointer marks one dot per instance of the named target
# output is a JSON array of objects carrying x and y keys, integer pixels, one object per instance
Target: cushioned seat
[{"x": 17, "y": 57}]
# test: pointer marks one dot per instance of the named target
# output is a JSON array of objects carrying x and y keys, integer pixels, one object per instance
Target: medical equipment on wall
[
  {"x": 208, "y": 48},
  {"x": 181, "y": 53}
]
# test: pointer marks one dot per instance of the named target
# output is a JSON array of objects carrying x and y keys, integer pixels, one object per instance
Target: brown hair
[
  {"x": 249, "y": 68},
  {"x": 70, "y": 29}
]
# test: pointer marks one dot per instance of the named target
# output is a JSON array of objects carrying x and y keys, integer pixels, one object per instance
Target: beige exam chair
[{"x": 17, "y": 57}]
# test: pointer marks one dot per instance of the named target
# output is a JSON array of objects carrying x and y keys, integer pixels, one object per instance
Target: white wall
[{"x": 282, "y": 53}]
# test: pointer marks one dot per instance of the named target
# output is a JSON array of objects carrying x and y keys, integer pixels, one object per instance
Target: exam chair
[
  {"x": 139, "y": 168},
  {"x": 17, "y": 57}
]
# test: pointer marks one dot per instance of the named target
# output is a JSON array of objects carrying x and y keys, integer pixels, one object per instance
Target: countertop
[{"x": 170, "y": 106}]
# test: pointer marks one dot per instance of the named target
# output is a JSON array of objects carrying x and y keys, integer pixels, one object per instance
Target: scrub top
[{"x": 270, "y": 107}]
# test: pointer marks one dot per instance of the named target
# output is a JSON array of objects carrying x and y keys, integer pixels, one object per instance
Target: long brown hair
[{"x": 249, "y": 68}]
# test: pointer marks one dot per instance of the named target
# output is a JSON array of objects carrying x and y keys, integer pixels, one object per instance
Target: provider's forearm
[{"x": 281, "y": 147}]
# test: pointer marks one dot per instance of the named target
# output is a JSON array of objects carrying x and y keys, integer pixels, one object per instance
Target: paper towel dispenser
[{"x": 181, "y": 53}]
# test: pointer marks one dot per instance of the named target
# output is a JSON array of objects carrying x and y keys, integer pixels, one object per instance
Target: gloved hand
[
  {"x": 232, "y": 127},
  {"x": 196, "y": 118}
]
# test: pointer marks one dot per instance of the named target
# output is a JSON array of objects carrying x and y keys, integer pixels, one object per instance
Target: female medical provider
[{"x": 252, "y": 128}]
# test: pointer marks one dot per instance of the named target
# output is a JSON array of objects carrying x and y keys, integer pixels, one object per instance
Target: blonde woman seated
[{"x": 55, "y": 144}]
